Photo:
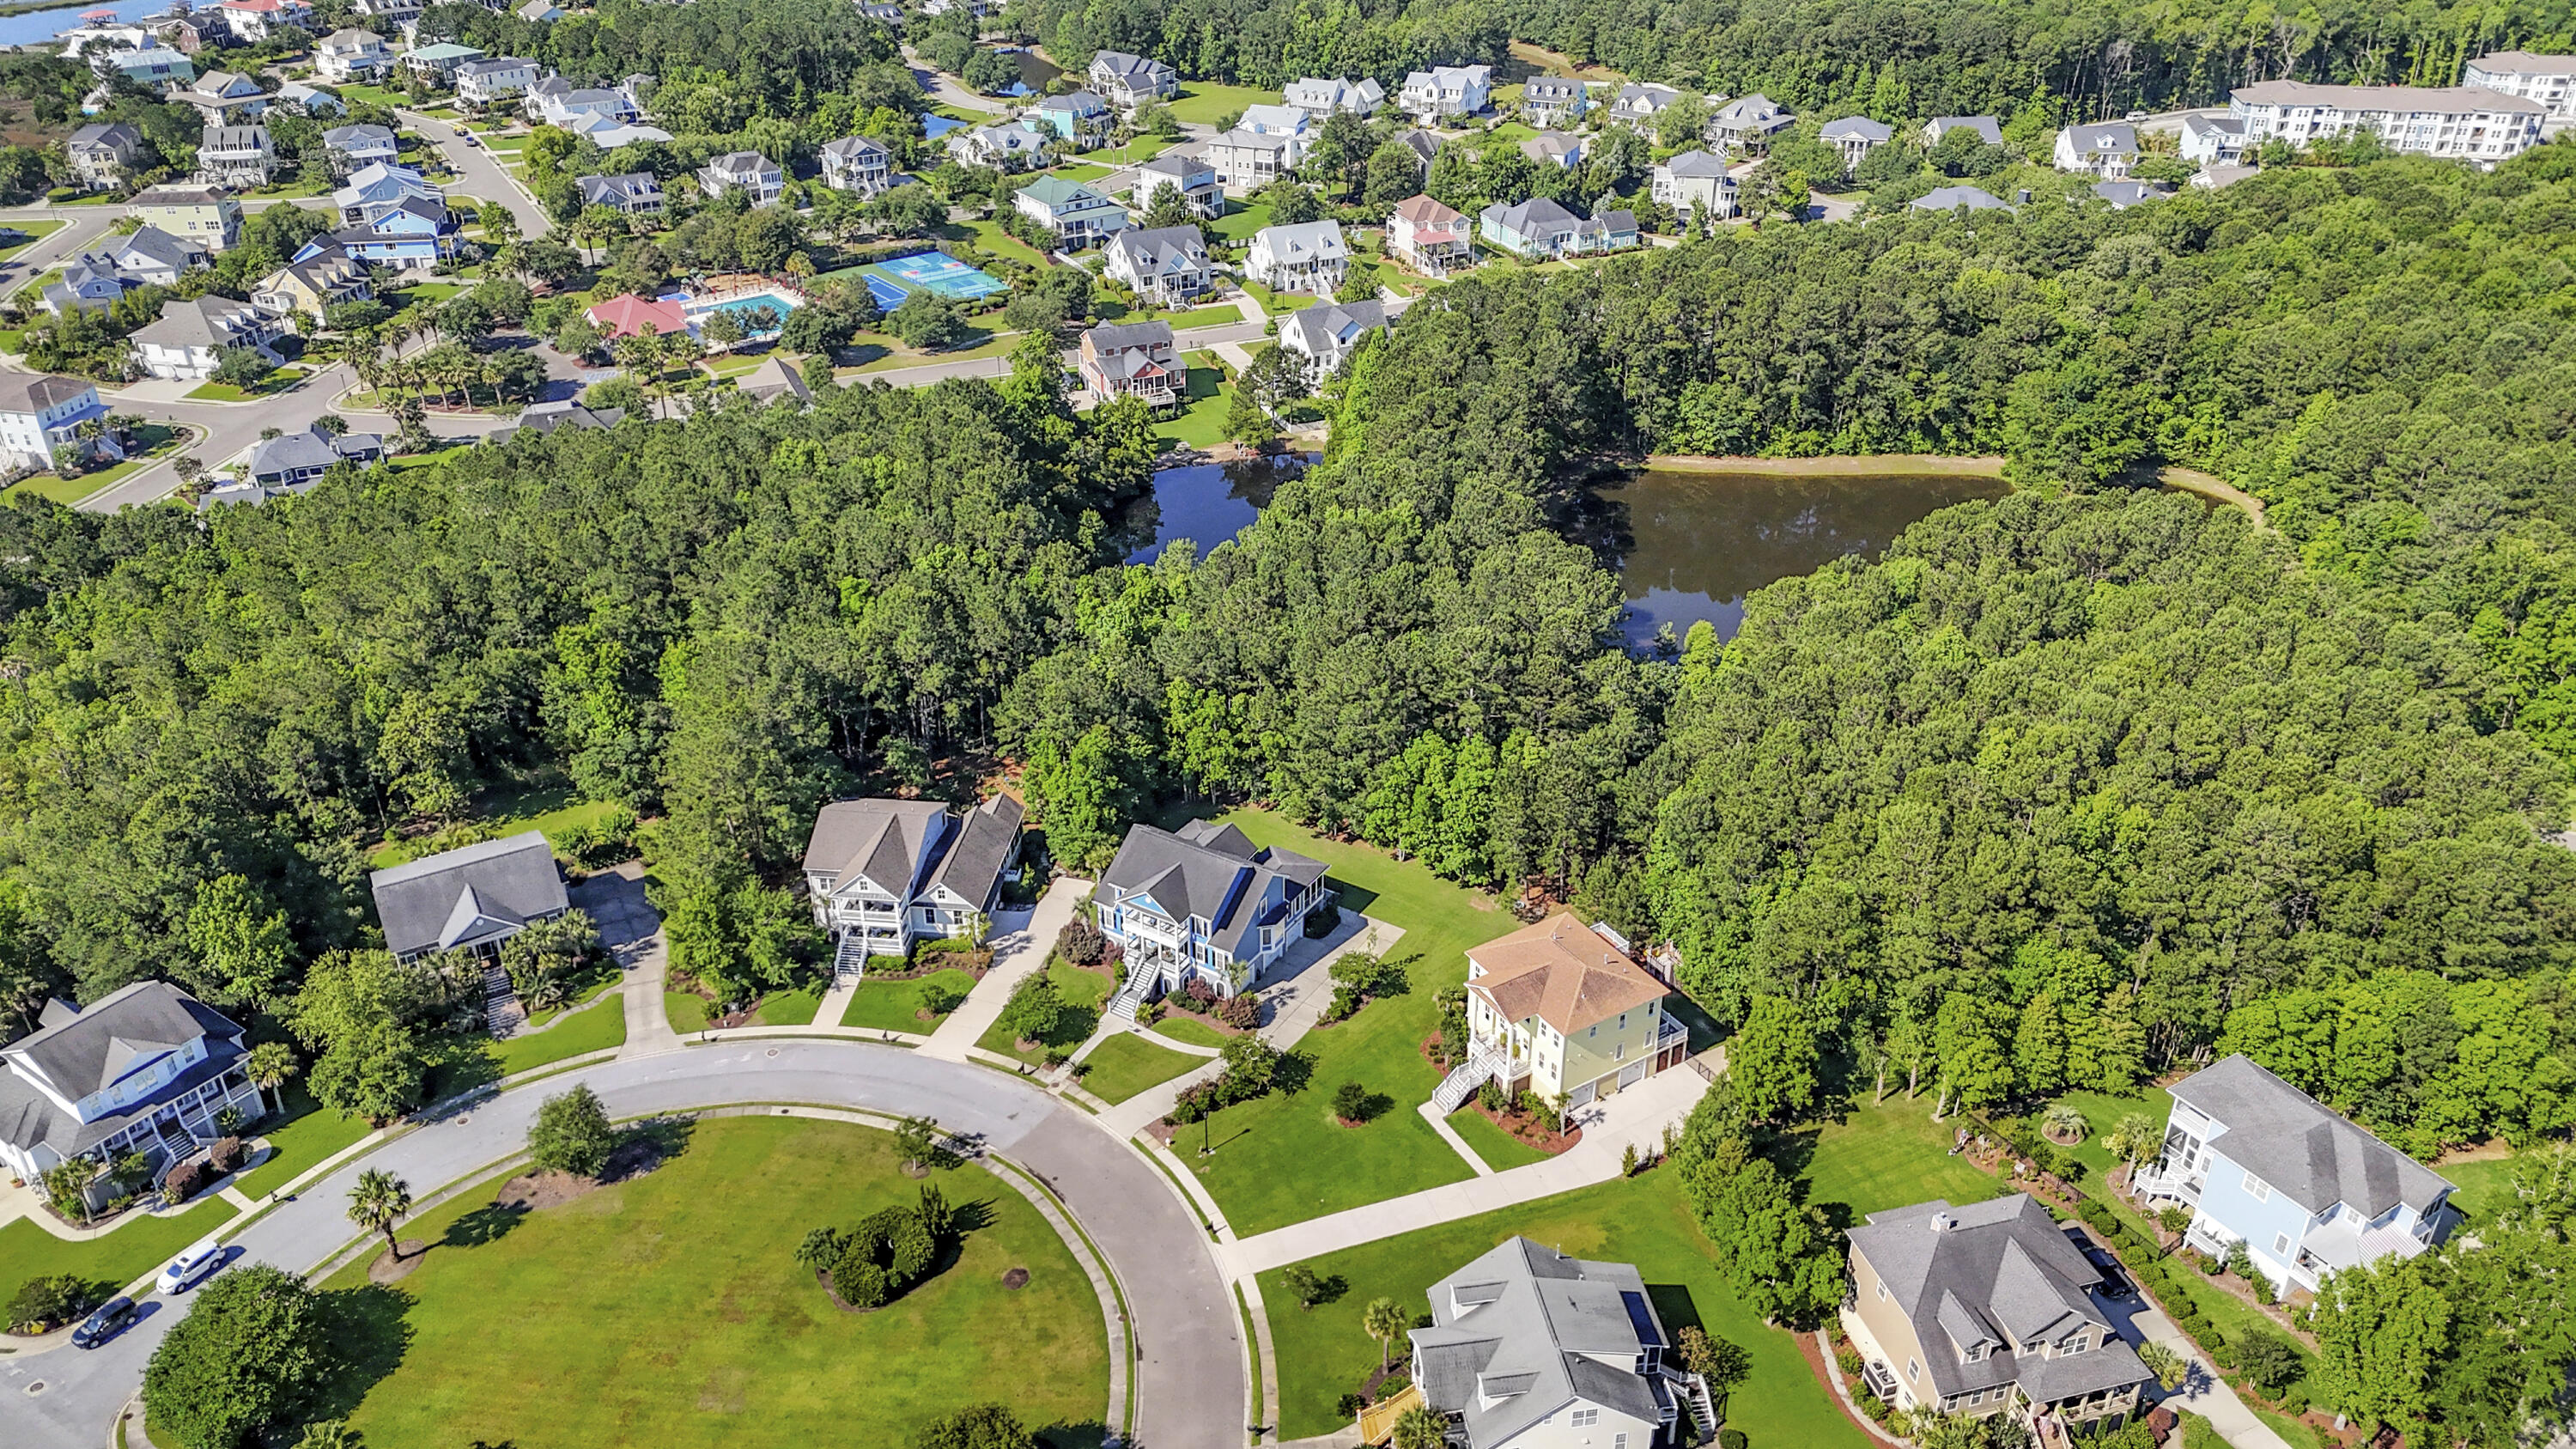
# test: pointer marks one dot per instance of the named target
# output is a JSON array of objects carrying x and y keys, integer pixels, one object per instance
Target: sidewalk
[
  {"x": 1018, "y": 949},
  {"x": 2203, "y": 1392}
]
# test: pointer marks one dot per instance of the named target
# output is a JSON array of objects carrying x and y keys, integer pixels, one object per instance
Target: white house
[
  {"x": 1558, "y": 1008},
  {"x": 2465, "y": 123},
  {"x": 256, "y": 20},
  {"x": 1321, "y": 98},
  {"x": 856, "y": 163},
  {"x": 1191, "y": 176},
  {"x": 1246, "y": 161},
  {"x": 1167, "y": 265},
  {"x": 1553, "y": 100},
  {"x": 494, "y": 79},
  {"x": 746, "y": 171},
  {"x": 2106, "y": 149},
  {"x": 1695, "y": 185},
  {"x": 358, "y": 147},
  {"x": 1076, "y": 215},
  {"x": 223, "y": 98},
  {"x": 144, "y": 1069},
  {"x": 1308, "y": 257},
  {"x": 1747, "y": 124},
  {"x": 40, "y": 413},
  {"x": 1128, "y": 81},
  {"x": 1287, "y": 123},
  {"x": 1531, "y": 1349},
  {"x": 2209, "y": 140},
  {"x": 1202, "y": 903},
  {"x": 1987, "y": 128},
  {"x": 2308, "y": 1193},
  {"x": 1430, "y": 238},
  {"x": 352, "y": 54},
  {"x": 1447, "y": 90},
  {"x": 2547, "y": 79},
  {"x": 883, "y": 874},
  {"x": 1639, "y": 104},
  {"x": 241, "y": 157},
  {"x": 1327, "y": 333},
  {"x": 1855, "y": 137},
  {"x": 1001, "y": 146},
  {"x": 191, "y": 337}
]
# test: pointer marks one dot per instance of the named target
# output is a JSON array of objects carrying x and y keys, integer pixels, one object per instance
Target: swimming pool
[{"x": 742, "y": 307}]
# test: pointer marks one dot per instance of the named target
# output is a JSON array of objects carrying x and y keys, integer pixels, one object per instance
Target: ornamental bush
[{"x": 42, "y": 1302}]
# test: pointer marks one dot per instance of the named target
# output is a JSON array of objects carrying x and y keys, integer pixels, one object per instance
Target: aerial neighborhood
[{"x": 1213, "y": 722}]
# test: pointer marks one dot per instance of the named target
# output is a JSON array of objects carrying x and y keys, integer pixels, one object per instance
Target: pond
[
  {"x": 1206, "y": 503},
  {"x": 1690, "y": 545}
]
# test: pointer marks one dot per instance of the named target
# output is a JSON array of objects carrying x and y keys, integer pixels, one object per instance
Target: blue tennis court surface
[{"x": 945, "y": 275}]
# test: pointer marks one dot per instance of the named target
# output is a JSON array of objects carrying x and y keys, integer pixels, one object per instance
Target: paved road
[
  {"x": 477, "y": 174},
  {"x": 1188, "y": 1335}
]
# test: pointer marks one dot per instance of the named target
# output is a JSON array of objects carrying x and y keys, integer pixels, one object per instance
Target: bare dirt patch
[
  {"x": 530, "y": 1191},
  {"x": 1016, "y": 1279},
  {"x": 395, "y": 1266}
]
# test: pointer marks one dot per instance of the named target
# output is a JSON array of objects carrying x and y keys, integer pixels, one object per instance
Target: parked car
[
  {"x": 191, "y": 1267},
  {"x": 106, "y": 1323},
  {"x": 2115, "y": 1284}
]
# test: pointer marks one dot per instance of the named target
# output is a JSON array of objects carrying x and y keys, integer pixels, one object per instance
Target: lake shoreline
[{"x": 1839, "y": 466}]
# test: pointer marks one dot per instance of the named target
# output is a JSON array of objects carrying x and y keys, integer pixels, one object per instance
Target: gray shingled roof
[
  {"x": 981, "y": 849},
  {"x": 96, "y": 1048},
  {"x": 1318, "y": 328},
  {"x": 2299, "y": 1146},
  {"x": 888, "y": 841},
  {"x": 33, "y": 392},
  {"x": 464, "y": 897},
  {"x": 1857, "y": 128},
  {"x": 1532, "y": 1319},
  {"x": 1205, "y": 870},
  {"x": 29, "y": 1119},
  {"x": 1120, "y": 336}
]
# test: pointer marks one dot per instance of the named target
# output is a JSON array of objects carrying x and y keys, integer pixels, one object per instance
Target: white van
[{"x": 191, "y": 1266}]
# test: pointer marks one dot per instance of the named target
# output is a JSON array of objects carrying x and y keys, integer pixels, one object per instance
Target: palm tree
[
  {"x": 269, "y": 1065},
  {"x": 2064, "y": 1121},
  {"x": 378, "y": 1202},
  {"x": 1382, "y": 1320},
  {"x": 2134, "y": 1139},
  {"x": 1419, "y": 1428}
]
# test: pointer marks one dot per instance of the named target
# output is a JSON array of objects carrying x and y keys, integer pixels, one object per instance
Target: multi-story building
[
  {"x": 1191, "y": 176},
  {"x": 154, "y": 67},
  {"x": 1447, "y": 90},
  {"x": 2547, "y": 79},
  {"x": 2466, "y": 123},
  {"x": 1988, "y": 129},
  {"x": 1559, "y": 1009},
  {"x": 1855, "y": 137},
  {"x": 856, "y": 163},
  {"x": 1553, "y": 100},
  {"x": 1246, "y": 161},
  {"x": 1133, "y": 359},
  {"x": 494, "y": 79},
  {"x": 1308, "y": 257},
  {"x": 1539, "y": 227},
  {"x": 102, "y": 156},
  {"x": 438, "y": 63},
  {"x": 1640, "y": 105},
  {"x": 749, "y": 172},
  {"x": 190, "y": 337},
  {"x": 1003, "y": 146},
  {"x": 1167, "y": 265},
  {"x": 1078, "y": 118},
  {"x": 142, "y": 1070},
  {"x": 2209, "y": 140},
  {"x": 223, "y": 98},
  {"x": 2308, "y": 1193},
  {"x": 1988, "y": 1309},
  {"x": 1747, "y": 124},
  {"x": 1204, "y": 904},
  {"x": 468, "y": 899},
  {"x": 40, "y": 414},
  {"x": 1076, "y": 215},
  {"x": 1326, "y": 334},
  {"x": 1695, "y": 185},
  {"x": 410, "y": 235},
  {"x": 351, "y": 54},
  {"x": 374, "y": 189},
  {"x": 313, "y": 286},
  {"x": 255, "y": 20},
  {"x": 631, "y": 193},
  {"x": 193, "y": 213},
  {"x": 883, "y": 874},
  {"x": 241, "y": 157},
  {"x": 1321, "y": 98},
  {"x": 148, "y": 256},
  {"x": 1128, "y": 81},
  {"x": 354, "y": 148},
  {"x": 1429, "y": 237},
  {"x": 2106, "y": 149}
]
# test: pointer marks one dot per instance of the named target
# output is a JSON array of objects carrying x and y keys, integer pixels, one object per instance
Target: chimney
[{"x": 1941, "y": 1222}]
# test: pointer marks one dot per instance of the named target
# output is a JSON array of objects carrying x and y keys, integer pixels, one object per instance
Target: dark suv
[{"x": 99, "y": 1327}]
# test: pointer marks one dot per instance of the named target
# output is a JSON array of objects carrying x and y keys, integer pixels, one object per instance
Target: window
[
  {"x": 1586, "y": 1418},
  {"x": 1882, "y": 1290},
  {"x": 1618, "y": 1441},
  {"x": 2280, "y": 1242},
  {"x": 1976, "y": 1351},
  {"x": 1976, "y": 1398},
  {"x": 2257, "y": 1189},
  {"x": 2079, "y": 1343},
  {"x": 1913, "y": 1371}
]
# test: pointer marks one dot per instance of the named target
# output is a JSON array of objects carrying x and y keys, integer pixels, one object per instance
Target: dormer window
[
  {"x": 2079, "y": 1343},
  {"x": 1976, "y": 1352}
]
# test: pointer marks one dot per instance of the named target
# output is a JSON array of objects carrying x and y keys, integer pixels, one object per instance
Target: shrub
[
  {"x": 1197, "y": 995},
  {"x": 1350, "y": 1103},
  {"x": 858, "y": 1280},
  {"x": 571, "y": 1134},
  {"x": 1243, "y": 1013},
  {"x": 1301, "y": 1281},
  {"x": 182, "y": 1182},
  {"x": 2174, "y": 1219},
  {"x": 1194, "y": 1103},
  {"x": 940, "y": 997},
  {"x": 1490, "y": 1096},
  {"x": 1034, "y": 1010},
  {"x": 2268, "y": 1361},
  {"x": 225, "y": 1155},
  {"x": 1082, "y": 942},
  {"x": 2221, "y": 1352},
  {"x": 1350, "y": 1405},
  {"x": 1731, "y": 1439},
  {"x": 1849, "y": 1360},
  {"x": 43, "y": 1302}
]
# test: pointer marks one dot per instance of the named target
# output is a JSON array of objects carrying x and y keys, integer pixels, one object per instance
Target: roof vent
[{"x": 1943, "y": 1222}]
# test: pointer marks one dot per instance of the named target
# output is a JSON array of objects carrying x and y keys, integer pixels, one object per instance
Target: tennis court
[{"x": 893, "y": 280}]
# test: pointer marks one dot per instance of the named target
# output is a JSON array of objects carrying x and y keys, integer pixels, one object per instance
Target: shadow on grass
[
  {"x": 484, "y": 1226},
  {"x": 1073, "y": 1436},
  {"x": 367, "y": 1336},
  {"x": 1675, "y": 1306}
]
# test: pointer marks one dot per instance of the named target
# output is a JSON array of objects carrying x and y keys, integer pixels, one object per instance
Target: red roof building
[{"x": 626, "y": 316}]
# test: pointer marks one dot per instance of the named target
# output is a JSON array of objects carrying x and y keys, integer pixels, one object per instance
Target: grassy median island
[{"x": 669, "y": 1310}]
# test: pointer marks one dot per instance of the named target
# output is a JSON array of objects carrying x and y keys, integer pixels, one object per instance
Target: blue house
[
  {"x": 409, "y": 234},
  {"x": 1202, "y": 903},
  {"x": 1081, "y": 117},
  {"x": 2308, "y": 1193},
  {"x": 1539, "y": 228}
]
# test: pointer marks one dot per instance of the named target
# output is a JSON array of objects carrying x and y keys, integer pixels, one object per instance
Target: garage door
[
  {"x": 1634, "y": 1073},
  {"x": 1582, "y": 1096}
]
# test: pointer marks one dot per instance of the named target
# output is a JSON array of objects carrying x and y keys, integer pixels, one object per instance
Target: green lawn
[
  {"x": 1206, "y": 101},
  {"x": 1202, "y": 422},
  {"x": 892, "y": 1005},
  {"x": 1283, "y": 1159},
  {"x": 269, "y": 386},
  {"x": 990, "y": 236},
  {"x": 733, "y": 364},
  {"x": 111, "y": 1261},
  {"x": 1082, "y": 171},
  {"x": 1204, "y": 317},
  {"x": 2485, "y": 1186},
  {"x": 311, "y": 1135},
  {"x": 1196, "y": 1033},
  {"x": 1126, "y": 1064},
  {"x": 899, "y": 356},
  {"x": 1885, "y": 1156},
  {"x": 153, "y": 442},
  {"x": 670, "y": 1310},
  {"x": 789, "y": 1008},
  {"x": 584, "y": 997},
  {"x": 1083, "y": 993},
  {"x": 686, "y": 1009},
  {"x": 594, "y": 1030},
  {"x": 1322, "y": 1353},
  {"x": 1500, "y": 1149},
  {"x": 1241, "y": 220},
  {"x": 36, "y": 231}
]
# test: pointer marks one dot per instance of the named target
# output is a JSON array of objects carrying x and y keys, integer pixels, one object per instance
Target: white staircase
[
  {"x": 1465, "y": 1078},
  {"x": 852, "y": 958},
  {"x": 501, "y": 1010},
  {"x": 1703, "y": 1407},
  {"x": 1141, "y": 976}
]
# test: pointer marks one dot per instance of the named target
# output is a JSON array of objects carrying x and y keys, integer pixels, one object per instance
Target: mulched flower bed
[
  {"x": 1526, "y": 1129},
  {"x": 973, "y": 963},
  {"x": 1170, "y": 1010},
  {"x": 1016, "y": 1279},
  {"x": 395, "y": 1267}
]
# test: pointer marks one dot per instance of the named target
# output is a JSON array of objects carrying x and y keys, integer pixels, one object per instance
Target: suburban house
[
  {"x": 224, "y": 98},
  {"x": 1953, "y": 198},
  {"x": 1133, "y": 359},
  {"x": 745, "y": 171},
  {"x": 1001, "y": 146},
  {"x": 191, "y": 337},
  {"x": 1308, "y": 257},
  {"x": 1246, "y": 161},
  {"x": 409, "y": 235},
  {"x": 193, "y": 212},
  {"x": 352, "y": 54},
  {"x": 1167, "y": 265},
  {"x": 358, "y": 147},
  {"x": 1987, "y": 1309},
  {"x": 2107, "y": 149},
  {"x": 631, "y": 193},
  {"x": 1447, "y": 90},
  {"x": 1080, "y": 117},
  {"x": 199, "y": 32},
  {"x": 152, "y": 67},
  {"x": 469, "y": 899},
  {"x": 1429, "y": 237},
  {"x": 1191, "y": 176},
  {"x": 1321, "y": 98},
  {"x": 1855, "y": 137},
  {"x": 1747, "y": 124},
  {"x": 2125, "y": 194},
  {"x": 557, "y": 102},
  {"x": 83, "y": 288},
  {"x": 1328, "y": 332},
  {"x": 1558, "y": 1008},
  {"x": 1553, "y": 100},
  {"x": 295, "y": 461},
  {"x": 2212, "y": 140},
  {"x": 40, "y": 413},
  {"x": 2465, "y": 123},
  {"x": 144, "y": 1069},
  {"x": 883, "y": 874},
  {"x": 2308, "y": 1193},
  {"x": 852, "y": 163},
  {"x": 1695, "y": 185},
  {"x": 1557, "y": 149},
  {"x": 1076, "y": 215},
  {"x": 240, "y": 157},
  {"x": 1425, "y": 145},
  {"x": 1988, "y": 129},
  {"x": 102, "y": 155},
  {"x": 436, "y": 63},
  {"x": 494, "y": 79},
  {"x": 2548, "y": 79},
  {"x": 1531, "y": 1349},
  {"x": 1128, "y": 81},
  {"x": 313, "y": 286},
  {"x": 1640, "y": 104},
  {"x": 311, "y": 99},
  {"x": 630, "y": 315},
  {"x": 379, "y": 187},
  {"x": 773, "y": 380},
  {"x": 1539, "y": 227},
  {"x": 148, "y": 257},
  {"x": 1202, "y": 903},
  {"x": 255, "y": 20},
  {"x": 539, "y": 12},
  {"x": 883, "y": 14},
  {"x": 1286, "y": 122}
]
